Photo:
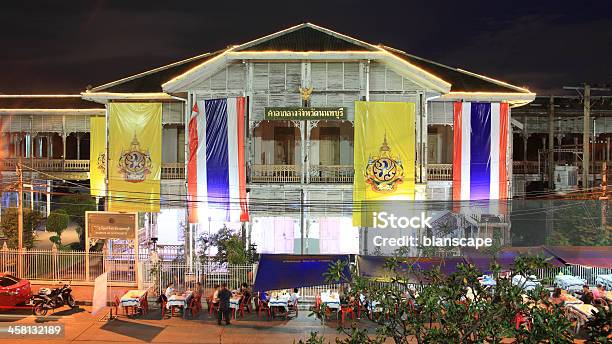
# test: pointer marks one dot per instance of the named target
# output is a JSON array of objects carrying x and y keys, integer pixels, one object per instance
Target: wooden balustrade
[
  {"x": 169, "y": 170},
  {"x": 275, "y": 173},
  {"x": 331, "y": 174},
  {"x": 440, "y": 172}
]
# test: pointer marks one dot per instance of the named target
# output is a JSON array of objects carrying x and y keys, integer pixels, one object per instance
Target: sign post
[{"x": 111, "y": 225}]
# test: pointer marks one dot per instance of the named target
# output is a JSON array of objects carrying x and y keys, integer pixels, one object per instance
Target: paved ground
[{"x": 82, "y": 327}]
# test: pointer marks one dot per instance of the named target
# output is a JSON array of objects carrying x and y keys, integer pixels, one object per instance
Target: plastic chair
[
  {"x": 263, "y": 307},
  {"x": 213, "y": 308},
  {"x": 318, "y": 301},
  {"x": 361, "y": 307},
  {"x": 163, "y": 308},
  {"x": 347, "y": 310},
  {"x": 292, "y": 308}
]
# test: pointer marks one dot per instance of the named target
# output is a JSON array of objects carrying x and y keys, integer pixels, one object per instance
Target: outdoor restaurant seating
[
  {"x": 133, "y": 302},
  {"x": 263, "y": 307},
  {"x": 347, "y": 310}
]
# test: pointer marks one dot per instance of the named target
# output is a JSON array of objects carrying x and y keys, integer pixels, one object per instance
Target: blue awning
[{"x": 282, "y": 271}]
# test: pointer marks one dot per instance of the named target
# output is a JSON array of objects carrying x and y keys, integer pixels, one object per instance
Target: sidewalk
[{"x": 83, "y": 294}]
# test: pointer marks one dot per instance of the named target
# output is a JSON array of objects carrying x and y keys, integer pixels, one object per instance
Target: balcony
[
  {"x": 276, "y": 174},
  {"x": 440, "y": 172},
  {"x": 327, "y": 174},
  {"x": 77, "y": 169}
]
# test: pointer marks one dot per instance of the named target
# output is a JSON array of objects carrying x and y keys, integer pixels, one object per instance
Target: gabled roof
[
  {"x": 151, "y": 81},
  {"x": 309, "y": 41},
  {"x": 66, "y": 102},
  {"x": 306, "y": 37},
  {"x": 460, "y": 80}
]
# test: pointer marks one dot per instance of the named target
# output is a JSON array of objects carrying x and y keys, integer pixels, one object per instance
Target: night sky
[{"x": 63, "y": 46}]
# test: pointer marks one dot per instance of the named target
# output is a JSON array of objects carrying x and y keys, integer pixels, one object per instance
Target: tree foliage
[
  {"x": 75, "y": 206},
  {"x": 229, "y": 247},
  {"x": 425, "y": 306},
  {"x": 9, "y": 225},
  {"x": 57, "y": 222}
]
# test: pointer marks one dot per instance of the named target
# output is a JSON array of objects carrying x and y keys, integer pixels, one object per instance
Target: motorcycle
[{"x": 47, "y": 299}]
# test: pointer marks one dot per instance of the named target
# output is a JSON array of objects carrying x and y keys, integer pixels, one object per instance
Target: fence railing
[{"x": 158, "y": 276}]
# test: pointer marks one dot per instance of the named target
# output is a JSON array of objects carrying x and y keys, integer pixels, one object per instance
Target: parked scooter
[{"x": 47, "y": 299}]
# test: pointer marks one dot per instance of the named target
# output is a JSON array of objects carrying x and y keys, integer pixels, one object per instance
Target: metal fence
[
  {"x": 68, "y": 266},
  {"x": 158, "y": 276}
]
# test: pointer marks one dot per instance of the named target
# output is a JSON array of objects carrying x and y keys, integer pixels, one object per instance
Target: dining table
[
  {"x": 280, "y": 301},
  {"x": 135, "y": 298},
  {"x": 178, "y": 301}
]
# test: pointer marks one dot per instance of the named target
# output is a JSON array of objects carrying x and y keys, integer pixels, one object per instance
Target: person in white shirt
[
  {"x": 294, "y": 296},
  {"x": 169, "y": 290}
]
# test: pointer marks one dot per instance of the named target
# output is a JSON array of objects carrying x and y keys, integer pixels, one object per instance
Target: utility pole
[
  {"x": 586, "y": 135},
  {"x": 586, "y": 130},
  {"x": 551, "y": 142},
  {"x": 20, "y": 218}
]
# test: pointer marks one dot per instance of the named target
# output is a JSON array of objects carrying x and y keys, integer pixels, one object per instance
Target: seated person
[
  {"x": 585, "y": 289},
  {"x": 199, "y": 290},
  {"x": 245, "y": 291},
  {"x": 294, "y": 296},
  {"x": 599, "y": 292},
  {"x": 587, "y": 298},
  {"x": 558, "y": 298},
  {"x": 169, "y": 290}
]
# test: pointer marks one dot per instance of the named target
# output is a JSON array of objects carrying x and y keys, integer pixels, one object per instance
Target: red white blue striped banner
[
  {"x": 216, "y": 176},
  {"x": 479, "y": 153}
]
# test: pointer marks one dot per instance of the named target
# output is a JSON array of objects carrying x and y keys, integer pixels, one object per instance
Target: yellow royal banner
[
  {"x": 135, "y": 138},
  {"x": 384, "y": 156},
  {"x": 97, "y": 156}
]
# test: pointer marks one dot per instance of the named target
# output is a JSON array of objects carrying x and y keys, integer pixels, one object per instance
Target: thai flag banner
[
  {"x": 480, "y": 170},
  {"x": 216, "y": 176}
]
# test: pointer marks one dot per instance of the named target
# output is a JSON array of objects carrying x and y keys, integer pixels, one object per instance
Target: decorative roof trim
[
  {"x": 104, "y": 97},
  {"x": 52, "y": 111},
  {"x": 303, "y": 25},
  {"x": 514, "y": 99},
  {"x": 40, "y": 96},
  {"x": 155, "y": 70},
  {"x": 212, "y": 65}
]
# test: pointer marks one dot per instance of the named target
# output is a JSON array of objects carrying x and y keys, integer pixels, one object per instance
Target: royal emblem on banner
[
  {"x": 135, "y": 163},
  {"x": 384, "y": 171},
  {"x": 102, "y": 162}
]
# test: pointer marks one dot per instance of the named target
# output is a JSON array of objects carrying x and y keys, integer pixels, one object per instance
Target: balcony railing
[
  {"x": 533, "y": 167},
  {"x": 331, "y": 174},
  {"x": 440, "y": 172},
  {"x": 46, "y": 165},
  {"x": 276, "y": 173},
  {"x": 174, "y": 170}
]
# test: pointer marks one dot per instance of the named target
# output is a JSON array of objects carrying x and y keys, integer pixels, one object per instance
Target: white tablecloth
[
  {"x": 605, "y": 280},
  {"x": 487, "y": 281},
  {"x": 235, "y": 302},
  {"x": 584, "y": 310},
  {"x": 132, "y": 298},
  {"x": 280, "y": 301},
  {"x": 526, "y": 284},
  {"x": 331, "y": 300},
  {"x": 178, "y": 300},
  {"x": 569, "y": 282}
]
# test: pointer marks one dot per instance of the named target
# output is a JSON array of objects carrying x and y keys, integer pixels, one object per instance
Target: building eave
[
  {"x": 514, "y": 99},
  {"x": 106, "y": 97}
]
